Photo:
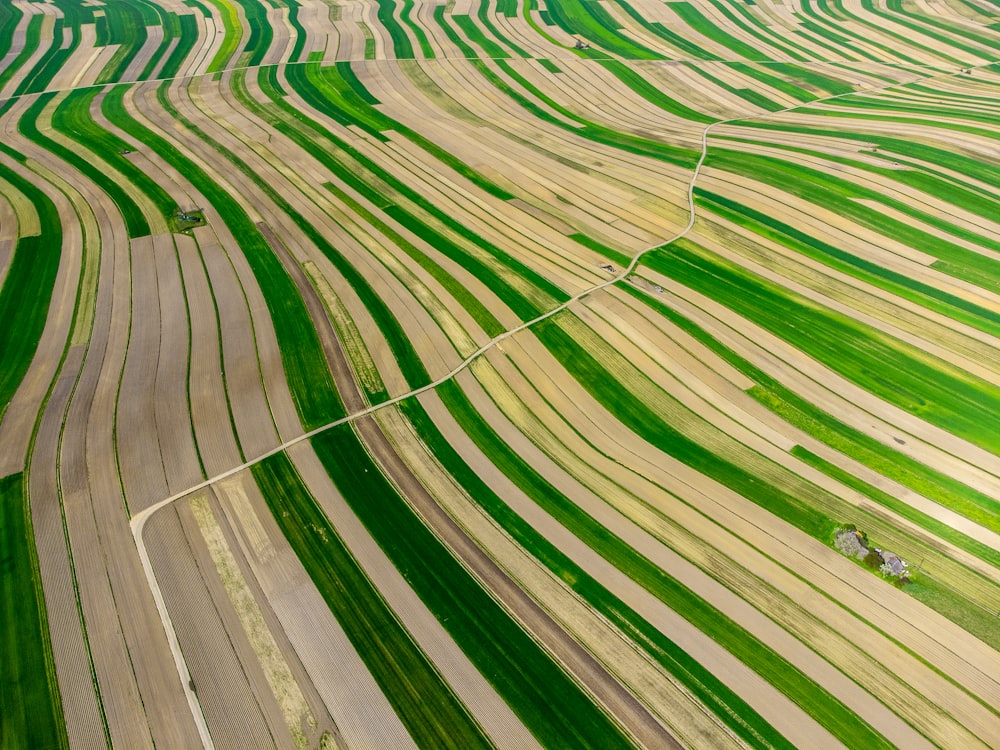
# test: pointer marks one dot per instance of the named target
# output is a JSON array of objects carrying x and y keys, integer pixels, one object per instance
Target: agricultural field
[{"x": 502, "y": 374}]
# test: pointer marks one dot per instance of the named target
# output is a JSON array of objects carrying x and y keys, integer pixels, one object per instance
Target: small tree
[
  {"x": 886, "y": 570},
  {"x": 848, "y": 543},
  {"x": 872, "y": 560}
]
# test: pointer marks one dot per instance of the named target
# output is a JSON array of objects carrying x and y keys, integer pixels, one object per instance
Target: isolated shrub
[
  {"x": 848, "y": 543},
  {"x": 872, "y": 561}
]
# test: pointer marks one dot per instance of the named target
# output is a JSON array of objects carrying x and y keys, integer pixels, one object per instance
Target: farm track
[
  {"x": 859, "y": 704},
  {"x": 169, "y": 377}
]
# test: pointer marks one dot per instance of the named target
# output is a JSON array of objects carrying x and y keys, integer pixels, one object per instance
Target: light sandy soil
[
  {"x": 324, "y": 657},
  {"x": 835, "y": 395},
  {"x": 884, "y": 722},
  {"x": 231, "y": 687},
  {"x": 154, "y": 38},
  {"x": 209, "y": 409},
  {"x": 675, "y": 708}
]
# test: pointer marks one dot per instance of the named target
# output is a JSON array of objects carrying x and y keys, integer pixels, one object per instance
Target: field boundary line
[{"x": 138, "y": 521}]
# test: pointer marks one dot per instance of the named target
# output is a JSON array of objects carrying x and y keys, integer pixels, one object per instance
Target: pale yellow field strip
[
  {"x": 20, "y": 414},
  {"x": 228, "y": 684},
  {"x": 675, "y": 708},
  {"x": 209, "y": 409},
  {"x": 811, "y": 281},
  {"x": 937, "y": 725},
  {"x": 294, "y": 708},
  {"x": 45, "y": 42},
  {"x": 773, "y": 706},
  {"x": 833, "y": 394},
  {"x": 326, "y": 657},
  {"x": 481, "y": 699}
]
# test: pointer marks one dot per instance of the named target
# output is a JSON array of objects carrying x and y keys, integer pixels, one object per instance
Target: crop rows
[{"x": 500, "y": 374}]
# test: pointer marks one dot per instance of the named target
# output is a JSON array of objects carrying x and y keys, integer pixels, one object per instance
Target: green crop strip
[
  {"x": 652, "y": 94},
  {"x": 27, "y": 288},
  {"x": 72, "y": 118},
  {"x": 37, "y": 79},
  {"x": 135, "y": 220},
  {"x": 261, "y": 33},
  {"x": 547, "y": 291},
  {"x": 823, "y": 85},
  {"x": 919, "y": 383},
  {"x": 939, "y": 30},
  {"x": 944, "y": 531},
  {"x": 968, "y": 166},
  {"x": 758, "y": 72},
  {"x": 841, "y": 195},
  {"x": 544, "y": 697},
  {"x": 899, "y": 284},
  {"x": 676, "y": 155},
  {"x": 694, "y": 18},
  {"x": 611, "y": 254},
  {"x": 816, "y": 701},
  {"x": 186, "y": 32},
  {"x": 10, "y": 15},
  {"x": 409, "y": 361},
  {"x": 586, "y": 18},
  {"x": 490, "y": 325},
  {"x": 300, "y": 32},
  {"x": 126, "y": 27},
  {"x": 671, "y": 37},
  {"x": 750, "y": 95},
  {"x": 232, "y": 33},
  {"x": 705, "y": 686},
  {"x": 407, "y": 15},
  {"x": 484, "y": 18},
  {"x": 827, "y": 429},
  {"x": 29, "y": 701},
  {"x": 428, "y": 708},
  {"x": 402, "y": 48},
  {"x": 31, "y": 41},
  {"x": 752, "y": 25},
  {"x": 309, "y": 379},
  {"x": 631, "y": 411},
  {"x": 476, "y": 36}
]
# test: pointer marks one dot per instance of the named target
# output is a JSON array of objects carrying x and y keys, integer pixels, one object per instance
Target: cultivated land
[{"x": 499, "y": 374}]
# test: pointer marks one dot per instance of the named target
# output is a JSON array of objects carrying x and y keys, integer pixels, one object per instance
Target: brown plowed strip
[
  {"x": 620, "y": 703},
  {"x": 343, "y": 376}
]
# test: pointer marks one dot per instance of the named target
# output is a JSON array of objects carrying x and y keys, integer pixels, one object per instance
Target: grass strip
[
  {"x": 697, "y": 20},
  {"x": 815, "y": 700},
  {"x": 402, "y": 48},
  {"x": 27, "y": 288},
  {"x": 545, "y": 698},
  {"x": 428, "y": 708},
  {"x": 914, "y": 381},
  {"x": 705, "y": 686},
  {"x": 589, "y": 20},
  {"x": 30, "y": 703},
  {"x": 309, "y": 379},
  {"x": 867, "y": 451},
  {"x": 135, "y": 220},
  {"x": 867, "y": 271}
]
